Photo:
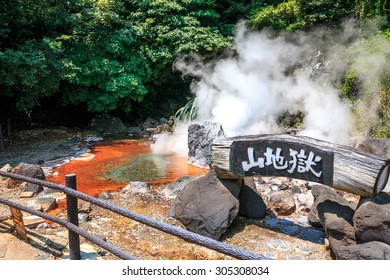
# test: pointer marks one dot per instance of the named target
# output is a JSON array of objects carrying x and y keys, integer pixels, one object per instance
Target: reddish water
[{"x": 114, "y": 155}]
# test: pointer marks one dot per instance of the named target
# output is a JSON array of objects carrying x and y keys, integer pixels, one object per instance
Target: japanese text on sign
[
  {"x": 300, "y": 162},
  {"x": 281, "y": 158}
]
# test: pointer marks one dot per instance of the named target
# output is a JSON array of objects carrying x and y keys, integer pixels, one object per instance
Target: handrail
[
  {"x": 105, "y": 245},
  {"x": 184, "y": 234}
]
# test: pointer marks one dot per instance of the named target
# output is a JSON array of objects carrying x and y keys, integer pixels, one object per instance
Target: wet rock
[
  {"x": 312, "y": 234},
  {"x": 106, "y": 124},
  {"x": 200, "y": 139},
  {"x": 251, "y": 202},
  {"x": 137, "y": 187},
  {"x": 282, "y": 203},
  {"x": 135, "y": 132},
  {"x": 372, "y": 219},
  {"x": 174, "y": 188},
  {"x": 367, "y": 251},
  {"x": 205, "y": 206}
]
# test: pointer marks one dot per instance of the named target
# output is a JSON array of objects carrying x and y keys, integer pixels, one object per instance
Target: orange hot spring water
[{"x": 119, "y": 162}]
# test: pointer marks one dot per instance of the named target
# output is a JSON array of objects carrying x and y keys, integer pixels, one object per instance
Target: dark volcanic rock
[
  {"x": 367, "y": 251},
  {"x": 28, "y": 170},
  {"x": 372, "y": 219},
  {"x": 320, "y": 194},
  {"x": 200, "y": 139},
  {"x": 107, "y": 124},
  {"x": 336, "y": 219},
  {"x": 205, "y": 206},
  {"x": 251, "y": 202}
]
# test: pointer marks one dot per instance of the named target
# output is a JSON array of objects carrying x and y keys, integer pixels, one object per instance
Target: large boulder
[
  {"x": 251, "y": 202},
  {"x": 205, "y": 206},
  {"x": 320, "y": 194},
  {"x": 200, "y": 140},
  {"x": 367, "y": 251},
  {"x": 107, "y": 124},
  {"x": 27, "y": 170},
  {"x": 336, "y": 220},
  {"x": 372, "y": 219}
]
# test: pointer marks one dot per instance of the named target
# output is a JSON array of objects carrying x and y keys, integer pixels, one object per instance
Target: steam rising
[{"x": 270, "y": 76}]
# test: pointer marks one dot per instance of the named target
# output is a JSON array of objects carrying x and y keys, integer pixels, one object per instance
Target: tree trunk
[{"x": 302, "y": 158}]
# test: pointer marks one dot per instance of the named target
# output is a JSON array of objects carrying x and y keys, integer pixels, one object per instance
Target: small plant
[{"x": 187, "y": 112}]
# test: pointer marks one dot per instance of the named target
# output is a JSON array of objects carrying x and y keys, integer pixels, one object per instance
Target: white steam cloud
[{"x": 269, "y": 76}]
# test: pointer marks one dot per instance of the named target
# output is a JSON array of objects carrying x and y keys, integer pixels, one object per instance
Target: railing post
[{"x": 71, "y": 205}]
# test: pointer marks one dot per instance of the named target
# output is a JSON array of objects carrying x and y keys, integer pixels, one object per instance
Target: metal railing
[{"x": 75, "y": 231}]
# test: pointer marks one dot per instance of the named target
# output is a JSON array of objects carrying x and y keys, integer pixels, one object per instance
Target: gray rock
[
  {"x": 200, "y": 139},
  {"x": 321, "y": 193},
  {"x": 106, "y": 124},
  {"x": 6, "y": 168},
  {"x": 304, "y": 201},
  {"x": 282, "y": 203},
  {"x": 44, "y": 204},
  {"x": 84, "y": 217},
  {"x": 28, "y": 170},
  {"x": 372, "y": 219},
  {"x": 233, "y": 185},
  {"x": 336, "y": 220},
  {"x": 367, "y": 251},
  {"x": 149, "y": 123},
  {"x": 135, "y": 132},
  {"x": 173, "y": 189},
  {"x": 84, "y": 206},
  {"x": 205, "y": 206},
  {"x": 105, "y": 196},
  {"x": 137, "y": 187},
  {"x": 251, "y": 202},
  {"x": 376, "y": 146}
]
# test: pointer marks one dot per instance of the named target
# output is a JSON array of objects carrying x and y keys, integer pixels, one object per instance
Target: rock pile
[
  {"x": 209, "y": 205},
  {"x": 355, "y": 231}
]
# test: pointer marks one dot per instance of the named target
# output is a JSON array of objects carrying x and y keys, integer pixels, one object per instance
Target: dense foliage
[{"x": 117, "y": 55}]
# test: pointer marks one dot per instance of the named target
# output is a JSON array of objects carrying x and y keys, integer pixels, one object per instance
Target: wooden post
[
  {"x": 1, "y": 140},
  {"x": 17, "y": 218},
  {"x": 72, "y": 211},
  {"x": 303, "y": 158}
]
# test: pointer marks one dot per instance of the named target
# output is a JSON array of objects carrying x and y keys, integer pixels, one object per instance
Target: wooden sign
[
  {"x": 279, "y": 158},
  {"x": 17, "y": 218},
  {"x": 300, "y": 157}
]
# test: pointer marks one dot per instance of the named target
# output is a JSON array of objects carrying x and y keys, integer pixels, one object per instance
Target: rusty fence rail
[{"x": 74, "y": 230}]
